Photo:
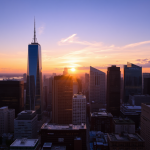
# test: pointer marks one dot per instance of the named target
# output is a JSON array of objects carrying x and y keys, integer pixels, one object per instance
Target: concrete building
[
  {"x": 78, "y": 109},
  {"x": 64, "y": 135},
  {"x": 145, "y": 124},
  {"x": 7, "y": 117},
  {"x": 123, "y": 125},
  {"x": 98, "y": 140},
  {"x": 101, "y": 121},
  {"x": 62, "y": 100},
  {"x": 12, "y": 95},
  {"x": 132, "y": 112},
  {"x": 125, "y": 141},
  {"x": 25, "y": 125},
  {"x": 113, "y": 90},
  {"x": 24, "y": 144},
  {"x": 97, "y": 92},
  {"x": 137, "y": 100}
]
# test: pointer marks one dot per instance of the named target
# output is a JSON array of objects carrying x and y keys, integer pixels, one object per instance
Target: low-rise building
[
  {"x": 123, "y": 125},
  {"x": 132, "y": 112},
  {"x": 64, "y": 135},
  {"x": 25, "y": 125},
  {"x": 125, "y": 141},
  {"x": 98, "y": 140},
  {"x": 78, "y": 109},
  {"x": 101, "y": 121},
  {"x": 24, "y": 144}
]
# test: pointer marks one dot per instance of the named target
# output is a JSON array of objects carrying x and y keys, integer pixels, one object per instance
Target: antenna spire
[{"x": 34, "y": 39}]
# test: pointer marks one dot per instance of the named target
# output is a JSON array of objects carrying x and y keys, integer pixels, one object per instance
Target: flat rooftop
[
  {"x": 24, "y": 143},
  {"x": 63, "y": 127},
  {"x": 53, "y": 147},
  {"x": 132, "y": 107},
  {"x": 123, "y": 121},
  {"x": 125, "y": 137},
  {"x": 79, "y": 96},
  {"x": 27, "y": 112},
  {"x": 4, "y": 107},
  {"x": 101, "y": 114}
]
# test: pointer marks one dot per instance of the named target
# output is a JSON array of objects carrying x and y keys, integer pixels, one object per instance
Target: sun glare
[{"x": 73, "y": 69}]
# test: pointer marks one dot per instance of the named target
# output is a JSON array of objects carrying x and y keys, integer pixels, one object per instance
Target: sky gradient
[{"x": 75, "y": 33}]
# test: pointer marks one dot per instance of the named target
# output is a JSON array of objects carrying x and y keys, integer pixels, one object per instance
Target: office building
[
  {"x": 64, "y": 135},
  {"x": 145, "y": 124},
  {"x": 34, "y": 77},
  {"x": 101, "y": 121},
  {"x": 87, "y": 79},
  {"x": 7, "y": 117},
  {"x": 123, "y": 125},
  {"x": 132, "y": 112},
  {"x": 62, "y": 100},
  {"x": 145, "y": 83},
  {"x": 132, "y": 81},
  {"x": 25, "y": 125},
  {"x": 79, "y": 82},
  {"x": 12, "y": 95},
  {"x": 78, "y": 109},
  {"x": 113, "y": 90},
  {"x": 24, "y": 144},
  {"x": 75, "y": 87},
  {"x": 97, "y": 94},
  {"x": 125, "y": 141},
  {"x": 98, "y": 140},
  {"x": 137, "y": 100}
]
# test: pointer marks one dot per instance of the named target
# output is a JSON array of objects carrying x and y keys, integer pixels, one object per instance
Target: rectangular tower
[{"x": 113, "y": 90}]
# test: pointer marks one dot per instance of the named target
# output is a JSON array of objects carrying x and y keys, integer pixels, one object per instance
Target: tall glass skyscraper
[
  {"x": 132, "y": 81},
  {"x": 34, "y": 77}
]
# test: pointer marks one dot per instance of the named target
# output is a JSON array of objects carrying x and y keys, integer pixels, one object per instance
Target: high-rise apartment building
[
  {"x": 34, "y": 77},
  {"x": 7, "y": 117},
  {"x": 97, "y": 93},
  {"x": 12, "y": 95},
  {"x": 113, "y": 90},
  {"x": 62, "y": 100},
  {"x": 25, "y": 125},
  {"x": 145, "y": 124},
  {"x": 132, "y": 81},
  {"x": 79, "y": 109}
]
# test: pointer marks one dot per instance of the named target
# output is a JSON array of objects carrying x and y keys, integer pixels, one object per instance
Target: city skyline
[{"x": 73, "y": 34}]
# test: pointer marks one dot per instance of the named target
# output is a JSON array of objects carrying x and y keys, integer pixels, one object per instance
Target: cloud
[{"x": 41, "y": 29}]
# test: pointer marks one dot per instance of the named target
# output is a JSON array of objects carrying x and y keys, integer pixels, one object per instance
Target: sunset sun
[{"x": 73, "y": 69}]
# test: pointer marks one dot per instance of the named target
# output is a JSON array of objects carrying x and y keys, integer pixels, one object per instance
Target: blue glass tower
[{"x": 34, "y": 77}]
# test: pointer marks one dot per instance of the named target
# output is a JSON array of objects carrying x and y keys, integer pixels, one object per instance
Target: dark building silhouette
[
  {"x": 62, "y": 100},
  {"x": 12, "y": 95},
  {"x": 79, "y": 81},
  {"x": 113, "y": 90},
  {"x": 146, "y": 86},
  {"x": 132, "y": 81}
]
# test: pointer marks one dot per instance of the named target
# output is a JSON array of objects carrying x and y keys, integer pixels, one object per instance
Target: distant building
[
  {"x": 137, "y": 100},
  {"x": 113, "y": 90},
  {"x": 50, "y": 146},
  {"x": 24, "y": 144},
  {"x": 78, "y": 109},
  {"x": 25, "y": 77},
  {"x": 7, "y": 117},
  {"x": 123, "y": 125},
  {"x": 132, "y": 112},
  {"x": 12, "y": 95},
  {"x": 34, "y": 78},
  {"x": 79, "y": 82},
  {"x": 98, "y": 140},
  {"x": 65, "y": 72},
  {"x": 62, "y": 100},
  {"x": 87, "y": 79},
  {"x": 97, "y": 93},
  {"x": 64, "y": 135},
  {"x": 125, "y": 141},
  {"x": 75, "y": 87},
  {"x": 145, "y": 124},
  {"x": 146, "y": 83},
  {"x": 101, "y": 121},
  {"x": 25, "y": 125},
  {"x": 132, "y": 81}
]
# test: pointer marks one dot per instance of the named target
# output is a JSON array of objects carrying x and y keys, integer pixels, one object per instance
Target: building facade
[
  {"x": 113, "y": 90},
  {"x": 25, "y": 125},
  {"x": 145, "y": 124},
  {"x": 132, "y": 81},
  {"x": 62, "y": 100},
  {"x": 12, "y": 95},
  {"x": 34, "y": 78},
  {"x": 146, "y": 83},
  {"x": 78, "y": 109},
  {"x": 97, "y": 92}
]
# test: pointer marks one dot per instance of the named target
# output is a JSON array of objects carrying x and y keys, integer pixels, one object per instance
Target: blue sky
[{"x": 111, "y": 22}]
